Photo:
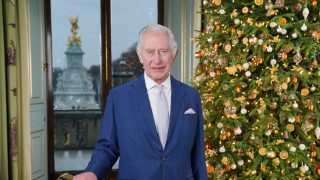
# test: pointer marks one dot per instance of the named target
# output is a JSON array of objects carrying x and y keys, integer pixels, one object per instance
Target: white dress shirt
[{"x": 152, "y": 94}]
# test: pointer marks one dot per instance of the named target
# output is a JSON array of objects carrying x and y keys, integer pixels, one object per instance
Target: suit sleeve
[
  {"x": 106, "y": 150},
  {"x": 198, "y": 158}
]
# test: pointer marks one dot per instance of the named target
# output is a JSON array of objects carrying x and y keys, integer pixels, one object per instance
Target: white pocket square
[{"x": 189, "y": 111}]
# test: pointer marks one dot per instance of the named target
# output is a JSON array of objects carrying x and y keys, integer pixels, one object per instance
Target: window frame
[{"x": 106, "y": 70}]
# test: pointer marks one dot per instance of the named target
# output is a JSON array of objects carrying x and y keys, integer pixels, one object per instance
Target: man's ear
[{"x": 175, "y": 55}]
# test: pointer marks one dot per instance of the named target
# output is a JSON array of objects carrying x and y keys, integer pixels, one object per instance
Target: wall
[
  {"x": 10, "y": 47},
  {"x": 182, "y": 17},
  {"x": 14, "y": 91}
]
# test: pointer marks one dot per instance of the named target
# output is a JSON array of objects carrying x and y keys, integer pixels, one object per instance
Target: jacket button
[{"x": 163, "y": 158}]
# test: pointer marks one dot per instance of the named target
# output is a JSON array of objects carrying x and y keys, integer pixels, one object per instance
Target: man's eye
[
  {"x": 163, "y": 52},
  {"x": 149, "y": 52}
]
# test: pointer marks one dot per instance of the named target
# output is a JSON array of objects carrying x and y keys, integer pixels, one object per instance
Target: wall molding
[{"x": 4, "y": 161}]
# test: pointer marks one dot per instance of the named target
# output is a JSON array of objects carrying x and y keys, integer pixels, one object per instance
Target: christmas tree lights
[{"x": 258, "y": 76}]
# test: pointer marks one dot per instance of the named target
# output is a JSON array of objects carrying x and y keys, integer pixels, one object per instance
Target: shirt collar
[{"x": 150, "y": 83}]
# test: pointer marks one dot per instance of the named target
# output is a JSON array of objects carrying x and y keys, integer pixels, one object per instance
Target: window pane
[
  {"x": 127, "y": 18},
  {"x": 76, "y": 54}
]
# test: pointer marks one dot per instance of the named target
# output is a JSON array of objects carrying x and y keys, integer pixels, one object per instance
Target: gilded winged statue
[{"x": 74, "y": 39}]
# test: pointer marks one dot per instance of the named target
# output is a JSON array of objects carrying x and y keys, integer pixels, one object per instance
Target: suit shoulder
[
  {"x": 123, "y": 88},
  {"x": 189, "y": 89}
]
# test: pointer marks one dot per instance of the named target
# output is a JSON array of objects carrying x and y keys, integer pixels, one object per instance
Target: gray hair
[{"x": 158, "y": 27}]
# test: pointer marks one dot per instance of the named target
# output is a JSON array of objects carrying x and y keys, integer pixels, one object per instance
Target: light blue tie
[{"x": 163, "y": 115}]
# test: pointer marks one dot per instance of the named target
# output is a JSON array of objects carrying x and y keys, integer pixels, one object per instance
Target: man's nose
[{"x": 157, "y": 57}]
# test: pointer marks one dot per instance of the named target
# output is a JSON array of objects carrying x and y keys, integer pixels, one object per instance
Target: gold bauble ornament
[
  {"x": 253, "y": 94},
  {"x": 288, "y": 79},
  {"x": 232, "y": 30},
  {"x": 274, "y": 105},
  {"x": 227, "y": 48},
  {"x": 217, "y": 2},
  {"x": 284, "y": 154},
  {"x": 294, "y": 80},
  {"x": 207, "y": 68},
  {"x": 263, "y": 168},
  {"x": 228, "y": 134},
  {"x": 314, "y": 3},
  {"x": 276, "y": 161},
  {"x": 218, "y": 72},
  {"x": 245, "y": 40},
  {"x": 227, "y": 168},
  {"x": 258, "y": 2},
  {"x": 202, "y": 52},
  {"x": 304, "y": 92},
  {"x": 284, "y": 56},
  {"x": 239, "y": 33},
  {"x": 223, "y": 137},
  {"x": 290, "y": 127},
  {"x": 284, "y": 86},
  {"x": 238, "y": 89},
  {"x": 279, "y": 141},
  {"x": 313, "y": 154},
  {"x": 210, "y": 169},
  {"x": 218, "y": 27},
  {"x": 216, "y": 45},
  {"x": 311, "y": 107},
  {"x": 318, "y": 171},
  {"x": 245, "y": 10},
  {"x": 211, "y": 153},
  {"x": 283, "y": 21},
  {"x": 262, "y": 151}
]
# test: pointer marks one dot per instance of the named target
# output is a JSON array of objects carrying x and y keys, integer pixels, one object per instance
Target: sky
[{"x": 127, "y": 18}]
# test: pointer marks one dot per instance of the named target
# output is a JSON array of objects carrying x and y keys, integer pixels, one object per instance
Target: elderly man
[{"x": 154, "y": 123}]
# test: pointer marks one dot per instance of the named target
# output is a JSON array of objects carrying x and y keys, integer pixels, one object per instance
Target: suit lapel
[
  {"x": 177, "y": 95},
  {"x": 141, "y": 99}
]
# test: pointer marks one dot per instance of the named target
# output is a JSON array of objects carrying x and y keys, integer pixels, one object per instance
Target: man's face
[{"x": 156, "y": 55}]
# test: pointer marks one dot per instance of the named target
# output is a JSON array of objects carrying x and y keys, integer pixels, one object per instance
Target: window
[
  {"x": 92, "y": 49},
  {"x": 125, "y": 26}
]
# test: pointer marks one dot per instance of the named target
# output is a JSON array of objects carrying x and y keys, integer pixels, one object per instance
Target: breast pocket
[{"x": 188, "y": 124}]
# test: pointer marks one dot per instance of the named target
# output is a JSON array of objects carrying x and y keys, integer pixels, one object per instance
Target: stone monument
[{"x": 74, "y": 86}]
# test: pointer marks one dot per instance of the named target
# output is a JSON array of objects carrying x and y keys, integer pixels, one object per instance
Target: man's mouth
[{"x": 158, "y": 68}]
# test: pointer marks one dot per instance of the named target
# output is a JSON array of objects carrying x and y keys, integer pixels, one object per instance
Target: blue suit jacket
[{"x": 128, "y": 130}]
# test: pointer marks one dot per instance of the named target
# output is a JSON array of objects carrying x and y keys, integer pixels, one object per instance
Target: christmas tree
[{"x": 258, "y": 76}]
